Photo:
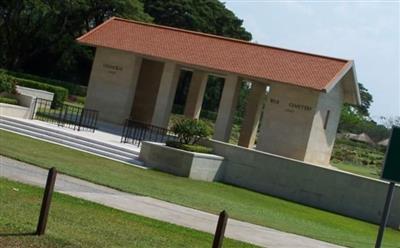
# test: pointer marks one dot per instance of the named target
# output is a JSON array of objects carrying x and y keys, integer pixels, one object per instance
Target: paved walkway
[{"x": 155, "y": 209}]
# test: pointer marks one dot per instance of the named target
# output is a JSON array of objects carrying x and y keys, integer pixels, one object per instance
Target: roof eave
[{"x": 355, "y": 97}]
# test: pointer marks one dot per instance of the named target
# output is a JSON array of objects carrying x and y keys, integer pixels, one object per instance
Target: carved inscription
[
  {"x": 292, "y": 107},
  {"x": 274, "y": 101},
  {"x": 112, "y": 69}
]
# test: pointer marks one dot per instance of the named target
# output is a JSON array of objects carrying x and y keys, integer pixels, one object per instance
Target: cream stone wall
[
  {"x": 322, "y": 138},
  {"x": 316, "y": 186},
  {"x": 287, "y": 120},
  {"x": 112, "y": 84}
]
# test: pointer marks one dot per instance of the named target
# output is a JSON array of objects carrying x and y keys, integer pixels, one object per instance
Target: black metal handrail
[
  {"x": 66, "y": 115},
  {"x": 135, "y": 132}
]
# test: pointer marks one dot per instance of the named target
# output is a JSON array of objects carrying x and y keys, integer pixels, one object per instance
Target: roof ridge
[{"x": 220, "y": 37}]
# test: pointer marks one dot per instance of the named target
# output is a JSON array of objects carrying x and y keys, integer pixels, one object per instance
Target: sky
[{"x": 367, "y": 32}]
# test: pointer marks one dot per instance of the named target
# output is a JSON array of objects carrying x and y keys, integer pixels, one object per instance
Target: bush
[
  {"x": 60, "y": 94},
  {"x": 74, "y": 89},
  {"x": 7, "y": 84},
  {"x": 190, "y": 131},
  {"x": 189, "y": 148},
  {"x": 9, "y": 100}
]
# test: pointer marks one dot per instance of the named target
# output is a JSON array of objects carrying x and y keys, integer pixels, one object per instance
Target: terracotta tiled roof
[{"x": 218, "y": 53}]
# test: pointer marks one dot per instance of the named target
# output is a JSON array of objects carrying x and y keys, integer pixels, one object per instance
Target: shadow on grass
[{"x": 17, "y": 234}]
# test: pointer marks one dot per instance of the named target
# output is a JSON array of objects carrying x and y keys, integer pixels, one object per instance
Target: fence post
[
  {"x": 48, "y": 192},
  {"x": 220, "y": 231},
  {"x": 34, "y": 108}
]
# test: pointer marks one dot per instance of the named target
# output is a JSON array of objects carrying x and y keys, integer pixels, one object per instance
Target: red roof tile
[{"x": 218, "y": 53}]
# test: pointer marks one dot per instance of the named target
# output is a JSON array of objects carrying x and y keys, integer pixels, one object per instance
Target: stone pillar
[
  {"x": 112, "y": 84},
  {"x": 226, "y": 109},
  {"x": 166, "y": 94},
  {"x": 252, "y": 115},
  {"x": 195, "y": 96}
]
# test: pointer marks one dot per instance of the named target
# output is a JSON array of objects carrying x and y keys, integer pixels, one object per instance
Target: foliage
[
  {"x": 9, "y": 100},
  {"x": 74, "y": 89},
  {"x": 190, "y": 131},
  {"x": 356, "y": 153},
  {"x": 208, "y": 16},
  {"x": 60, "y": 94},
  {"x": 7, "y": 84},
  {"x": 356, "y": 119},
  {"x": 352, "y": 122},
  {"x": 189, "y": 147},
  {"x": 38, "y": 36}
]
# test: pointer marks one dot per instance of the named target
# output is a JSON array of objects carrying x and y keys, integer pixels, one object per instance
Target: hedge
[
  {"x": 74, "y": 89},
  {"x": 9, "y": 100},
  {"x": 189, "y": 148},
  {"x": 60, "y": 93}
]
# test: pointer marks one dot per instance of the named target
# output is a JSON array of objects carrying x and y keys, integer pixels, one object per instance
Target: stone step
[
  {"x": 67, "y": 137},
  {"x": 76, "y": 136},
  {"x": 85, "y": 146}
]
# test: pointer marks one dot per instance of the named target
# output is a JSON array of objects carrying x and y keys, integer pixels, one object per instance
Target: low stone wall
[
  {"x": 320, "y": 187},
  {"x": 35, "y": 93},
  {"x": 199, "y": 166},
  {"x": 14, "y": 111},
  {"x": 24, "y": 109}
]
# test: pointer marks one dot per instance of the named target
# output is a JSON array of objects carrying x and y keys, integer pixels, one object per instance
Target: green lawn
[
  {"x": 359, "y": 169},
  {"x": 358, "y": 158},
  {"x": 212, "y": 197},
  {"x": 77, "y": 223}
]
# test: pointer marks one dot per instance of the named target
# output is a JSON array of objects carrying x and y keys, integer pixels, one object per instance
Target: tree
[
  {"x": 39, "y": 35},
  {"x": 208, "y": 16},
  {"x": 356, "y": 119}
]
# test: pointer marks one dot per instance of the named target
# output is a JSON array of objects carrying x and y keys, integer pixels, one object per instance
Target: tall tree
[{"x": 208, "y": 16}]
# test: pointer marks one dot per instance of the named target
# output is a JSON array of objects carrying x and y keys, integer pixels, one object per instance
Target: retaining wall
[{"x": 320, "y": 187}]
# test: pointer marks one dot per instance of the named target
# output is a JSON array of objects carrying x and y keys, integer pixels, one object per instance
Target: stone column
[
  {"x": 195, "y": 95},
  {"x": 112, "y": 84},
  {"x": 226, "y": 109},
  {"x": 166, "y": 94},
  {"x": 252, "y": 115}
]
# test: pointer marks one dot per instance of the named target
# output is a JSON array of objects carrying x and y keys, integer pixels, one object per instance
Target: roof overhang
[
  {"x": 219, "y": 54},
  {"x": 347, "y": 76}
]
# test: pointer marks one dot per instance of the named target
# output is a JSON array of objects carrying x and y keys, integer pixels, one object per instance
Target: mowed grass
[
  {"x": 78, "y": 223},
  {"x": 358, "y": 169},
  {"x": 212, "y": 197}
]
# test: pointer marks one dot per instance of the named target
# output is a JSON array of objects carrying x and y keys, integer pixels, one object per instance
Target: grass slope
[
  {"x": 358, "y": 158},
  {"x": 77, "y": 223},
  {"x": 212, "y": 197}
]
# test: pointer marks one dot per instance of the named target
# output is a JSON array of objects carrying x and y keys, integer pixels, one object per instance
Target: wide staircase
[{"x": 73, "y": 140}]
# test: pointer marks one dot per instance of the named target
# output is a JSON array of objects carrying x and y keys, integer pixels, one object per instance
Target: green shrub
[
  {"x": 190, "y": 131},
  {"x": 60, "y": 94},
  {"x": 74, "y": 89},
  {"x": 7, "y": 84},
  {"x": 188, "y": 147},
  {"x": 81, "y": 99},
  {"x": 9, "y": 100}
]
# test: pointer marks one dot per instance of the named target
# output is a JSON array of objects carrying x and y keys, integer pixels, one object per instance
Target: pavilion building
[{"x": 299, "y": 95}]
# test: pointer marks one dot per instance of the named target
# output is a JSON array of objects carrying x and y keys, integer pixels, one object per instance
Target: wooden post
[
  {"x": 44, "y": 211},
  {"x": 220, "y": 231}
]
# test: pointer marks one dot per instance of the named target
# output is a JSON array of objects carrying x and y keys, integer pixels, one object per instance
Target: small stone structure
[
  {"x": 35, "y": 93},
  {"x": 26, "y": 102},
  {"x": 199, "y": 166}
]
